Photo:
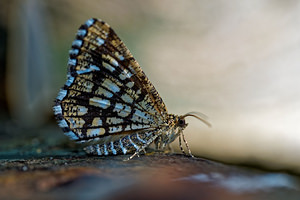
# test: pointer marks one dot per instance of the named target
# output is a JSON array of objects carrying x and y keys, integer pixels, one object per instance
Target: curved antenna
[{"x": 199, "y": 116}]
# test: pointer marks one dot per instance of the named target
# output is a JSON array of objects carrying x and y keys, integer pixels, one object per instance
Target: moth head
[{"x": 181, "y": 122}]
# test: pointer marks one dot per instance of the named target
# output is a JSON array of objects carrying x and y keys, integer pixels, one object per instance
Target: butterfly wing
[{"x": 106, "y": 92}]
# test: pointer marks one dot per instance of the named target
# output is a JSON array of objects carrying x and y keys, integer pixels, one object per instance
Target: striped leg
[
  {"x": 180, "y": 145},
  {"x": 187, "y": 146}
]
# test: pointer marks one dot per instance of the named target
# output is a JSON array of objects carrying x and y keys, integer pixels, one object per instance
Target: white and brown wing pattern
[{"x": 107, "y": 99}]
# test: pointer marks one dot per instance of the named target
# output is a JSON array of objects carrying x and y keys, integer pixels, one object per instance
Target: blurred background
[{"x": 236, "y": 61}]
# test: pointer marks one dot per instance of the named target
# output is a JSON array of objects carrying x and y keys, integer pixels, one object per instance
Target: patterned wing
[{"x": 106, "y": 92}]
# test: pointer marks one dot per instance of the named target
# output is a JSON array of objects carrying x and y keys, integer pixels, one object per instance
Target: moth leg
[
  {"x": 137, "y": 152},
  {"x": 144, "y": 150},
  {"x": 161, "y": 145},
  {"x": 180, "y": 144},
  {"x": 158, "y": 143},
  {"x": 187, "y": 146}
]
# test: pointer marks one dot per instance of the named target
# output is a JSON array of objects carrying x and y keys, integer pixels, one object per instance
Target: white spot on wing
[
  {"x": 76, "y": 122},
  {"x": 125, "y": 74},
  {"x": 100, "y": 41},
  {"x": 98, "y": 150},
  {"x": 140, "y": 116},
  {"x": 112, "y": 148},
  {"x": 118, "y": 107},
  {"x": 122, "y": 76},
  {"x": 71, "y": 135},
  {"x": 95, "y": 132},
  {"x": 89, "y": 22},
  {"x": 120, "y": 57},
  {"x": 90, "y": 69},
  {"x": 62, "y": 123},
  {"x": 94, "y": 67},
  {"x": 128, "y": 73},
  {"x": 84, "y": 71},
  {"x": 105, "y": 149},
  {"x": 127, "y": 128},
  {"x": 73, "y": 51},
  {"x": 122, "y": 147},
  {"x": 139, "y": 126},
  {"x": 111, "y": 60},
  {"x": 108, "y": 66},
  {"x": 77, "y": 43},
  {"x": 57, "y": 109},
  {"x": 97, "y": 122},
  {"x": 70, "y": 80},
  {"x": 125, "y": 112},
  {"x": 102, "y": 103},
  {"x": 81, "y": 110},
  {"x": 81, "y": 32},
  {"x": 61, "y": 94},
  {"x": 122, "y": 110},
  {"x": 115, "y": 129},
  {"x": 114, "y": 62},
  {"x": 104, "y": 92},
  {"x": 114, "y": 120},
  {"x": 130, "y": 84},
  {"x": 72, "y": 62},
  {"x": 111, "y": 86},
  {"x": 127, "y": 98}
]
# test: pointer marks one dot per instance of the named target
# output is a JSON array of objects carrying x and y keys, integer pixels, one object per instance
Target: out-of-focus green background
[{"x": 236, "y": 61}]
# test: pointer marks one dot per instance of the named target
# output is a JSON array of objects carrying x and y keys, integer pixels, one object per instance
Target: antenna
[{"x": 199, "y": 116}]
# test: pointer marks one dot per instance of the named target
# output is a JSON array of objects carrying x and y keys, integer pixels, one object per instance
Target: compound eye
[{"x": 181, "y": 122}]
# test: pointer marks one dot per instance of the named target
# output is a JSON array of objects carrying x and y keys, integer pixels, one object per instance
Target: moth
[{"x": 108, "y": 102}]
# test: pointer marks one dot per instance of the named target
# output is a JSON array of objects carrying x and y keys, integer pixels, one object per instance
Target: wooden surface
[{"x": 155, "y": 176}]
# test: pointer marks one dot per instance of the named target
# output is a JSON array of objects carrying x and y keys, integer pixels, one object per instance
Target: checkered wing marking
[{"x": 106, "y": 91}]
